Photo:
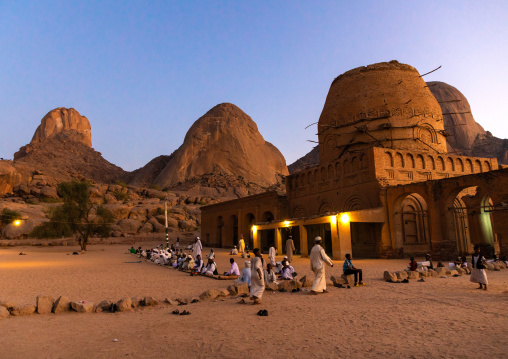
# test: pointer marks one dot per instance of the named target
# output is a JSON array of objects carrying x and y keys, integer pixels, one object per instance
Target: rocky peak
[
  {"x": 65, "y": 121},
  {"x": 226, "y": 138}
]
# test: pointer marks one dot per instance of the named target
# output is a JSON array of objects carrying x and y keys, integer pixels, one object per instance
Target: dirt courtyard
[{"x": 440, "y": 318}]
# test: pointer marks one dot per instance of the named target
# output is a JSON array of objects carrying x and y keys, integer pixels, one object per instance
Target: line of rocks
[{"x": 439, "y": 272}]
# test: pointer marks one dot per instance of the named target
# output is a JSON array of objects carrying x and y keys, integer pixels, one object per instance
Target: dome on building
[{"x": 387, "y": 104}]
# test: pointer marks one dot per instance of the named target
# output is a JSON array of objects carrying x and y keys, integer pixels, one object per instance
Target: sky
[{"x": 143, "y": 72}]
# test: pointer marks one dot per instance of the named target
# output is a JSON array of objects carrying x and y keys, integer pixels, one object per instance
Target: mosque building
[{"x": 385, "y": 185}]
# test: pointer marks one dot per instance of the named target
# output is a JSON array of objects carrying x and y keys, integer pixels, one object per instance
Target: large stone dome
[{"x": 386, "y": 105}]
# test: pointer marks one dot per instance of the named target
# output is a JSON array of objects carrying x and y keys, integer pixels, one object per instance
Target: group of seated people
[
  {"x": 281, "y": 271},
  {"x": 178, "y": 259}
]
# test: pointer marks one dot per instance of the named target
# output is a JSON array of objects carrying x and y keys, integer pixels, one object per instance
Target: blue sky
[{"x": 143, "y": 71}]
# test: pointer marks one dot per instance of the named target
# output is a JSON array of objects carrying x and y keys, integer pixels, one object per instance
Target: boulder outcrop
[{"x": 64, "y": 121}]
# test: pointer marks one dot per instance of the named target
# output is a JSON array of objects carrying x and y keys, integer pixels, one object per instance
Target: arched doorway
[
  {"x": 218, "y": 231},
  {"x": 411, "y": 224},
  {"x": 232, "y": 235}
]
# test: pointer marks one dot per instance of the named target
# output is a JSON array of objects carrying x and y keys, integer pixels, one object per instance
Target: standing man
[
  {"x": 348, "y": 268},
  {"x": 271, "y": 255},
  {"x": 196, "y": 250},
  {"x": 241, "y": 245},
  {"x": 318, "y": 258},
  {"x": 290, "y": 248},
  {"x": 257, "y": 282}
]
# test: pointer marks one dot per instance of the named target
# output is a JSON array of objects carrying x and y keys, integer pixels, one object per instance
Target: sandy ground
[{"x": 440, "y": 318}]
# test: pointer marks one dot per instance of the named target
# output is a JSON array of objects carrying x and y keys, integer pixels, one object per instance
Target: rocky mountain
[
  {"x": 458, "y": 120},
  {"x": 467, "y": 137},
  {"x": 223, "y": 143},
  {"x": 60, "y": 150}
]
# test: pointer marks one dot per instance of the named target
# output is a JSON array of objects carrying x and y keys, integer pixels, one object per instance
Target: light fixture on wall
[
  {"x": 286, "y": 223},
  {"x": 344, "y": 218},
  {"x": 333, "y": 219}
]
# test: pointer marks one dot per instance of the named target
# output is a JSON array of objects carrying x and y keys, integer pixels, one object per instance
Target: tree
[{"x": 77, "y": 216}]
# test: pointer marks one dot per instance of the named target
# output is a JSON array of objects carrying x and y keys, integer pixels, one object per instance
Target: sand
[{"x": 439, "y": 318}]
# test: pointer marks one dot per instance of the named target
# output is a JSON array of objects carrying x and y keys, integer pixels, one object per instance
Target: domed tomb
[{"x": 381, "y": 105}]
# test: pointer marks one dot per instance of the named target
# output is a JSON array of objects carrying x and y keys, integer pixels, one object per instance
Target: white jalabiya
[
  {"x": 478, "y": 275},
  {"x": 241, "y": 245},
  {"x": 290, "y": 247},
  {"x": 196, "y": 249},
  {"x": 318, "y": 258},
  {"x": 271, "y": 256},
  {"x": 257, "y": 283}
]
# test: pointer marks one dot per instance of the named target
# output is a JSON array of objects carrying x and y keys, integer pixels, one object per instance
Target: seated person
[
  {"x": 234, "y": 251},
  {"x": 132, "y": 250},
  {"x": 142, "y": 254},
  {"x": 211, "y": 255},
  {"x": 348, "y": 268},
  {"x": 198, "y": 264},
  {"x": 188, "y": 263},
  {"x": 245, "y": 275},
  {"x": 246, "y": 254},
  {"x": 270, "y": 276},
  {"x": 412, "y": 264},
  {"x": 210, "y": 268},
  {"x": 234, "y": 268},
  {"x": 138, "y": 251},
  {"x": 180, "y": 260},
  {"x": 286, "y": 272}
]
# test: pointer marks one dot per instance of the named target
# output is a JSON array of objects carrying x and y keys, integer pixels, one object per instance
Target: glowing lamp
[
  {"x": 254, "y": 229},
  {"x": 344, "y": 218},
  {"x": 17, "y": 222},
  {"x": 333, "y": 219},
  {"x": 286, "y": 223}
]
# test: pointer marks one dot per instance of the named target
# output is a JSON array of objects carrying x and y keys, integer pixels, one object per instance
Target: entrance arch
[
  {"x": 248, "y": 221},
  {"x": 411, "y": 224}
]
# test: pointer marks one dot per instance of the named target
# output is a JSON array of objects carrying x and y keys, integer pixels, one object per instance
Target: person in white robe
[
  {"x": 245, "y": 276},
  {"x": 211, "y": 255},
  {"x": 188, "y": 263},
  {"x": 269, "y": 274},
  {"x": 210, "y": 269},
  {"x": 290, "y": 248},
  {"x": 234, "y": 251},
  {"x": 234, "y": 268},
  {"x": 197, "y": 248},
  {"x": 318, "y": 259},
  {"x": 271, "y": 255},
  {"x": 198, "y": 264},
  {"x": 478, "y": 270},
  {"x": 257, "y": 282},
  {"x": 286, "y": 272},
  {"x": 241, "y": 245}
]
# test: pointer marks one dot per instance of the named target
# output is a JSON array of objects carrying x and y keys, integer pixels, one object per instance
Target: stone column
[
  {"x": 335, "y": 239},
  {"x": 344, "y": 241},
  {"x": 255, "y": 239},
  {"x": 278, "y": 241},
  {"x": 303, "y": 241}
]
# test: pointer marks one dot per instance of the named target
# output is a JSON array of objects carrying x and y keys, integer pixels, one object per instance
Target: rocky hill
[
  {"x": 60, "y": 150},
  {"x": 225, "y": 146}
]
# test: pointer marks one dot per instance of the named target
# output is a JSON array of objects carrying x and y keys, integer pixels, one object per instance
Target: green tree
[{"x": 77, "y": 216}]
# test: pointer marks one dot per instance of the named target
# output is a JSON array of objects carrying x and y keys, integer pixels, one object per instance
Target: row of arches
[
  {"x": 330, "y": 172},
  {"x": 438, "y": 163},
  {"x": 467, "y": 220},
  {"x": 229, "y": 230}
]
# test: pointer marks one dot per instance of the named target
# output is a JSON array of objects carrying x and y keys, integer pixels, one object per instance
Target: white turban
[{"x": 318, "y": 239}]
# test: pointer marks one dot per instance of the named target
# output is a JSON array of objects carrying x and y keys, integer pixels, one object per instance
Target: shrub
[{"x": 8, "y": 216}]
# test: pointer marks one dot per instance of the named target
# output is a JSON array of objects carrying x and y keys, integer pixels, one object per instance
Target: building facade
[{"x": 385, "y": 185}]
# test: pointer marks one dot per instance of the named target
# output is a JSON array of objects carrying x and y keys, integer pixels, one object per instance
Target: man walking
[{"x": 318, "y": 258}]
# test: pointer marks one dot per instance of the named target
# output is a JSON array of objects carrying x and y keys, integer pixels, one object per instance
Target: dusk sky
[{"x": 143, "y": 71}]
